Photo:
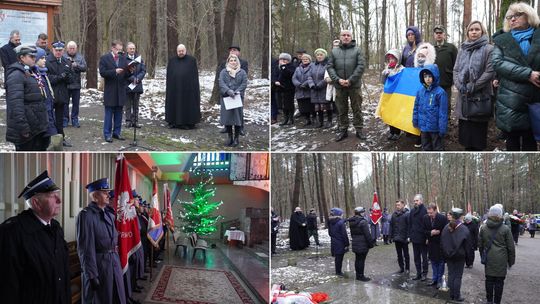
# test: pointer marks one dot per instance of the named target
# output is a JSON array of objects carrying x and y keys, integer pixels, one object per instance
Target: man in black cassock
[
  {"x": 298, "y": 234},
  {"x": 183, "y": 96},
  {"x": 33, "y": 252}
]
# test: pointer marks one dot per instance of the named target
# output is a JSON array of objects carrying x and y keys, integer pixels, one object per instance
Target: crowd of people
[
  {"x": 447, "y": 239},
  {"x": 497, "y": 81},
  {"x": 33, "y": 249},
  {"x": 40, "y": 84}
]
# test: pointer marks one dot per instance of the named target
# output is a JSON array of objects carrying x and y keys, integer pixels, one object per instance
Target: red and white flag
[
  {"x": 376, "y": 212},
  {"x": 129, "y": 237},
  {"x": 169, "y": 219},
  {"x": 155, "y": 226}
]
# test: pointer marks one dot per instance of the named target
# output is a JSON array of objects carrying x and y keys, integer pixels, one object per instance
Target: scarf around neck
[
  {"x": 473, "y": 62},
  {"x": 523, "y": 38},
  {"x": 232, "y": 71}
]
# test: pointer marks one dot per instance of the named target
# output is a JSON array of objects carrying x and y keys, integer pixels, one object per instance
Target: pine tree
[{"x": 197, "y": 216}]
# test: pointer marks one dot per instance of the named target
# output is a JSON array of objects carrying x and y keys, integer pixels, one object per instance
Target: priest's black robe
[
  {"x": 298, "y": 235},
  {"x": 183, "y": 96}
]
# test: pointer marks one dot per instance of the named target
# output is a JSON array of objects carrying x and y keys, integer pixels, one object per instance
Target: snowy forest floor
[
  {"x": 312, "y": 270},
  {"x": 299, "y": 138},
  {"x": 154, "y": 133}
]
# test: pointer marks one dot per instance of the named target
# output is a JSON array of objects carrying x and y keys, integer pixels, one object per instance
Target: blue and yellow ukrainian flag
[{"x": 397, "y": 100}]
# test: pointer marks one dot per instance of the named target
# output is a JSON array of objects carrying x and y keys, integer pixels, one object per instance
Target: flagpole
[{"x": 151, "y": 261}]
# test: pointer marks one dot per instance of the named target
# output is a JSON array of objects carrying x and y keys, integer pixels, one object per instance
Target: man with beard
[
  {"x": 183, "y": 96},
  {"x": 33, "y": 252},
  {"x": 298, "y": 235}
]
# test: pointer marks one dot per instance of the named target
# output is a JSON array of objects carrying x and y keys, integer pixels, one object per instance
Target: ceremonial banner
[
  {"x": 169, "y": 219},
  {"x": 376, "y": 213},
  {"x": 155, "y": 227}
]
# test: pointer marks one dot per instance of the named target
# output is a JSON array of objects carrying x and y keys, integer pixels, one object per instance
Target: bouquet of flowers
[{"x": 282, "y": 296}]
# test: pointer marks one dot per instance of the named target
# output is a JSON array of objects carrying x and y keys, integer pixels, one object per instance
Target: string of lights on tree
[{"x": 197, "y": 215}]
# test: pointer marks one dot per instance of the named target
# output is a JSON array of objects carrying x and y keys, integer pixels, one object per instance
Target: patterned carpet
[{"x": 197, "y": 286}]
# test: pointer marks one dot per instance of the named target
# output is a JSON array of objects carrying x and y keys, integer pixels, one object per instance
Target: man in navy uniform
[
  {"x": 97, "y": 246},
  {"x": 33, "y": 252}
]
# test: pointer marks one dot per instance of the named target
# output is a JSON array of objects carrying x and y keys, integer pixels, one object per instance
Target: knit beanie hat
[
  {"x": 40, "y": 53},
  {"x": 308, "y": 56},
  {"x": 323, "y": 51},
  {"x": 285, "y": 56},
  {"x": 496, "y": 211}
]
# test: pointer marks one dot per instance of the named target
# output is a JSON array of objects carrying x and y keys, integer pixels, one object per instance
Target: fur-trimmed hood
[{"x": 430, "y": 52}]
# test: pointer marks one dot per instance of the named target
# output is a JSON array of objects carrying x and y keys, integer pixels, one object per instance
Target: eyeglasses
[{"x": 516, "y": 15}]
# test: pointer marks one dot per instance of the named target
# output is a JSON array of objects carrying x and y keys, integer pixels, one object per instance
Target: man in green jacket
[
  {"x": 345, "y": 67},
  {"x": 445, "y": 60},
  {"x": 501, "y": 254}
]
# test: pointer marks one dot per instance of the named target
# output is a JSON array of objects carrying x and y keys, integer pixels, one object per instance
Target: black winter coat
[
  {"x": 298, "y": 236},
  {"x": 311, "y": 221},
  {"x": 339, "y": 240},
  {"x": 138, "y": 74},
  {"x": 286, "y": 73},
  {"x": 7, "y": 56},
  {"x": 455, "y": 243},
  {"x": 399, "y": 226},
  {"x": 434, "y": 242},
  {"x": 60, "y": 76},
  {"x": 34, "y": 261},
  {"x": 114, "y": 93},
  {"x": 25, "y": 106},
  {"x": 361, "y": 237},
  {"x": 416, "y": 224}
]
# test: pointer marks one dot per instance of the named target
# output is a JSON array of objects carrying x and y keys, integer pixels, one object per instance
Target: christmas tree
[{"x": 197, "y": 216}]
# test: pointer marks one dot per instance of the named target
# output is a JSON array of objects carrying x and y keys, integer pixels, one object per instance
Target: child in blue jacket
[{"x": 430, "y": 112}]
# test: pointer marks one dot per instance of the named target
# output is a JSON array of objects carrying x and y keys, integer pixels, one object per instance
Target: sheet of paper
[
  {"x": 232, "y": 103},
  {"x": 132, "y": 86}
]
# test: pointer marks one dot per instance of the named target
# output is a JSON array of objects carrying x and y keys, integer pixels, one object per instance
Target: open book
[{"x": 135, "y": 61}]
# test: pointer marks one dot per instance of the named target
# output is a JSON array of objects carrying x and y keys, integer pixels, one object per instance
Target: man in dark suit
[
  {"x": 113, "y": 68},
  {"x": 434, "y": 223}
]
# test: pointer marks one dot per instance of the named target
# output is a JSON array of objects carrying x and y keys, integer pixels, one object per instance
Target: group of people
[
  {"x": 34, "y": 253},
  {"x": 449, "y": 239},
  {"x": 498, "y": 81},
  {"x": 40, "y": 83}
]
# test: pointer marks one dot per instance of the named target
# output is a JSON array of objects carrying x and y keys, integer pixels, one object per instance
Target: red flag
[
  {"x": 469, "y": 209},
  {"x": 155, "y": 227},
  {"x": 376, "y": 213},
  {"x": 169, "y": 219},
  {"x": 129, "y": 237}
]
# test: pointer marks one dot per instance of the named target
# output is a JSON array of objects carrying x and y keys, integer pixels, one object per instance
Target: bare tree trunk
[
  {"x": 172, "y": 23},
  {"x": 442, "y": 16},
  {"x": 91, "y": 44},
  {"x": 323, "y": 192},
  {"x": 152, "y": 52},
  {"x": 298, "y": 181},
  {"x": 413, "y": 13},
  {"x": 383, "y": 34},
  {"x": 266, "y": 38},
  {"x": 223, "y": 38},
  {"x": 467, "y": 13},
  {"x": 398, "y": 177}
]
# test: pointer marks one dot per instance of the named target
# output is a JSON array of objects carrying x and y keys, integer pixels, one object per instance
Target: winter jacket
[
  {"x": 286, "y": 73},
  {"x": 416, "y": 224},
  {"x": 361, "y": 237},
  {"x": 25, "y": 106},
  {"x": 339, "y": 240},
  {"x": 7, "y": 56},
  {"x": 317, "y": 83},
  {"x": 399, "y": 226},
  {"x": 385, "y": 223},
  {"x": 502, "y": 253},
  {"x": 407, "y": 55},
  {"x": 473, "y": 71},
  {"x": 346, "y": 62},
  {"x": 431, "y": 55},
  {"x": 300, "y": 80},
  {"x": 445, "y": 60},
  {"x": 455, "y": 243},
  {"x": 430, "y": 112},
  {"x": 513, "y": 70},
  {"x": 311, "y": 221},
  {"x": 434, "y": 241},
  {"x": 77, "y": 70},
  {"x": 61, "y": 75}
]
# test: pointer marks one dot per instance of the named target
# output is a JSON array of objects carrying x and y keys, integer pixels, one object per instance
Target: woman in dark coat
[
  {"x": 500, "y": 256},
  {"x": 339, "y": 240},
  {"x": 285, "y": 89},
  {"x": 362, "y": 241},
  {"x": 517, "y": 64},
  {"x": 302, "y": 83},
  {"x": 298, "y": 235},
  {"x": 318, "y": 85},
  {"x": 434, "y": 223},
  {"x": 455, "y": 241},
  {"x": 414, "y": 38},
  {"x": 232, "y": 81},
  {"x": 472, "y": 225},
  {"x": 473, "y": 75},
  {"x": 47, "y": 90}
]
